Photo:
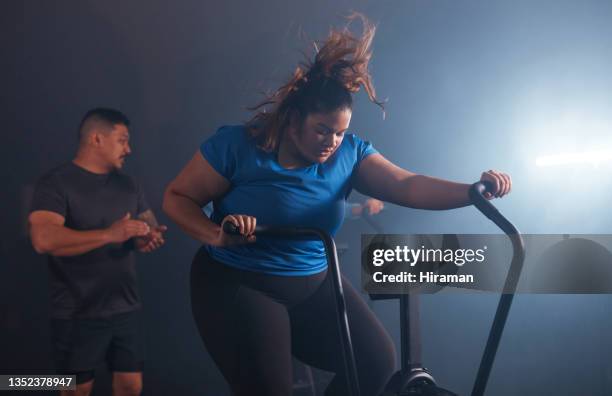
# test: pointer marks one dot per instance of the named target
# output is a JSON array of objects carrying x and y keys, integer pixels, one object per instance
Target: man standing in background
[{"x": 89, "y": 217}]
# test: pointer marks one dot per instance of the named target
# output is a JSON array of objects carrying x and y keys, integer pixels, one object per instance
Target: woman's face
[{"x": 321, "y": 134}]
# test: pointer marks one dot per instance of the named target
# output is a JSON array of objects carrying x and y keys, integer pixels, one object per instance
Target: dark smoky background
[{"x": 471, "y": 85}]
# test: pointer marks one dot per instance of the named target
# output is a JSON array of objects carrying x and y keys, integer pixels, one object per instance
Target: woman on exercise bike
[{"x": 257, "y": 301}]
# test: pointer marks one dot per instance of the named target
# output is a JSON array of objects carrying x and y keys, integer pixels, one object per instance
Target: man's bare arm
[{"x": 50, "y": 236}]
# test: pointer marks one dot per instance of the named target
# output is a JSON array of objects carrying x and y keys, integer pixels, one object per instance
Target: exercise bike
[{"x": 413, "y": 379}]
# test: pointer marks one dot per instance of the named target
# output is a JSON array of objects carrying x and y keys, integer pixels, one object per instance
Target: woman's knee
[
  {"x": 377, "y": 364},
  {"x": 381, "y": 370}
]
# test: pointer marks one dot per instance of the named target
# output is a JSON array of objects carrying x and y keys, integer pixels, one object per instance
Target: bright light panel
[{"x": 594, "y": 158}]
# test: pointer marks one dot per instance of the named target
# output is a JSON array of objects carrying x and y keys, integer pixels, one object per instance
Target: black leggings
[{"x": 251, "y": 324}]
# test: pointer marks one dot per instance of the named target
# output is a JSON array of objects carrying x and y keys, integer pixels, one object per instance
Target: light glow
[{"x": 594, "y": 158}]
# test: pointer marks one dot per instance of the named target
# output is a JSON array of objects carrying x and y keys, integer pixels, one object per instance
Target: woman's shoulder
[
  {"x": 356, "y": 148},
  {"x": 226, "y": 148},
  {"x": 354, "y": 141},
  {"x": 229, "y": 136},
  {"x": 237, "y": 131}
]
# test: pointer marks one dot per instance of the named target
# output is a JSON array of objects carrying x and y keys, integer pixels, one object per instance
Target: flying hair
[{"x": 321, "y": 85}]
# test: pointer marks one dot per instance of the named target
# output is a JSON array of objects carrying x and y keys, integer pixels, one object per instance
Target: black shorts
[{"x": 82, "y": 345}]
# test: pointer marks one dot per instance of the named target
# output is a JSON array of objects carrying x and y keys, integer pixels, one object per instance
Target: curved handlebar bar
[{"x": 476, "y": 193}]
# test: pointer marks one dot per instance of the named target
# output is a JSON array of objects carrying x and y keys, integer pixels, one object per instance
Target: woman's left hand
[{"x": 502, "y": 184}]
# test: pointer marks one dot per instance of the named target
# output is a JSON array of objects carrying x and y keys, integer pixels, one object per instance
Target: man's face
[
  {"x": 114, "y": 146},
  {"x": 321, "y": 134}
]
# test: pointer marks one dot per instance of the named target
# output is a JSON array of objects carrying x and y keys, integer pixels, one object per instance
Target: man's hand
[
  {"x": 126, "y": 228},
  {"x": 152, "y": 241},
  {"x": 155, "y": 238},
  {"x": 371, "y": 206}
]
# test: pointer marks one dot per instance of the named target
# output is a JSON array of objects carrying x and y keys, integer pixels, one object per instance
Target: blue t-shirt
[{"x": 310, "y": 197}]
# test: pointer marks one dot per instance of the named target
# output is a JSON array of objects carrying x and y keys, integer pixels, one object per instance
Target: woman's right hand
[{"x": 246, "y": 226}]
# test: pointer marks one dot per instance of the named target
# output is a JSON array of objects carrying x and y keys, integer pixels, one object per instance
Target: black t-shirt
[{"x": 101, "y": 282}]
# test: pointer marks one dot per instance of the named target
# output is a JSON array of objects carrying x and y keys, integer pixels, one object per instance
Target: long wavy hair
[{"x": 322, "y": 85}]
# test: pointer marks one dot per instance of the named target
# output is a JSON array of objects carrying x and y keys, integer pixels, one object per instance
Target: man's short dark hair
[{"x": 101, "y": 116}]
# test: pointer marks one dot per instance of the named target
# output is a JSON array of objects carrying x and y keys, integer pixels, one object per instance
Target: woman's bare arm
[
  {"x": 381, "y": 179},
  {"x": 196, "y": 185}
]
